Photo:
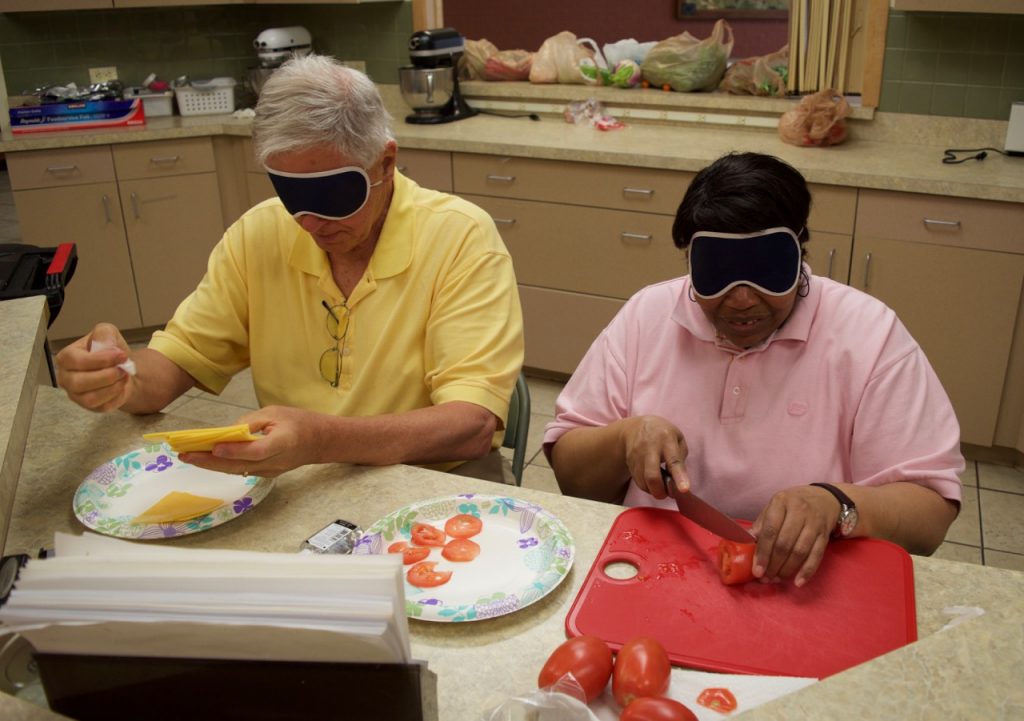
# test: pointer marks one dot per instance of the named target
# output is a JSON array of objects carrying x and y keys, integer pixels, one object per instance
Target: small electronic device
[{"x": 336, "y": 537}]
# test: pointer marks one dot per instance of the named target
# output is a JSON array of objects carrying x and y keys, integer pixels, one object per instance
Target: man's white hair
[{"x": 316, "y": 100}]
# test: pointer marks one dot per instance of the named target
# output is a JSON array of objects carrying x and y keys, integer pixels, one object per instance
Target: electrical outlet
[
  {"x": 359, "y": 65},
  {"x": 102, "y": 75}
]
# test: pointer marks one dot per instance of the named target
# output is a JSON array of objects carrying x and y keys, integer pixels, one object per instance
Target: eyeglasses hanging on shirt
[{"x": 337, "y": 326}]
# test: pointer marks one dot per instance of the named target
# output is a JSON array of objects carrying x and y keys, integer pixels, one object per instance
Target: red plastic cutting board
[{"x": 859, "y": 605}]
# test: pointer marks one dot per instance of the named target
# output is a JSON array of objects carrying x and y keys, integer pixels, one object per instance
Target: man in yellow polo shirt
[{"x": 381, "y": 320}]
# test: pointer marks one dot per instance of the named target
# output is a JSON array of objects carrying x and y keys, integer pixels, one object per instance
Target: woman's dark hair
[{"x": 743, "y": 193}]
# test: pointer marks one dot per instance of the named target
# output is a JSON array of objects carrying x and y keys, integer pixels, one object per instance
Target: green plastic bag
[{"x": 686, "y": 64}]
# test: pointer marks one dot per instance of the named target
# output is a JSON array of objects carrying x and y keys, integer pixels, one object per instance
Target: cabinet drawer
[
  {"x": 962, "y": 222},
  {"x": 833, "y": 209},
  {"x": 56, "y": 168},
  {"x": 602, "y": 186},
  {"x": 559, "y": 327},
  {"x": 162, "y": 158},
  {"x": 429, "y": 168},
  {"x": 604, "y": 252}
]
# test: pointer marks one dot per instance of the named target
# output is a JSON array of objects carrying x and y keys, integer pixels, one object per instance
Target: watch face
[{"x": 847, "y": 521}]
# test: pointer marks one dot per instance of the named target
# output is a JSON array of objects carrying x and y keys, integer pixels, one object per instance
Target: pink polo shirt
[{"x": 840, "y": 393}]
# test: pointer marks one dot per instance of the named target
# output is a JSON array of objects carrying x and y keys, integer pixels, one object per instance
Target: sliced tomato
[
  {"x": 423, "y": 534},
  {"x": 718, "y": 699},
  {"x": 735, "y": 561},
  {"x": 657, "y": 708},
  {"x": 423, "y": 575},
  {"x": 463, "y": 525},
  {"x": 587, "y": 658},
  {"x": 410, "y": 554},
  {"x": 641, "y": 668},
  {"x": 461, "y": 550}
]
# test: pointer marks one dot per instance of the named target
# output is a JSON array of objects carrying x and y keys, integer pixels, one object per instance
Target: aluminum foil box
[{"x": 77, "y": 116}]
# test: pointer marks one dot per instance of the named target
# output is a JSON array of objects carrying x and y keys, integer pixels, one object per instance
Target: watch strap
[
  {"x": 847, "y": 510},
  {"x": 843, "y": 499}
]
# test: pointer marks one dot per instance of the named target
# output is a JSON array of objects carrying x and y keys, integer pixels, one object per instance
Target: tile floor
[{"x": 989, "y": 530}]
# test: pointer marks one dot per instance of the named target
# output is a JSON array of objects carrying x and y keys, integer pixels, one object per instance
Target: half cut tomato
[{"x": 735, "y": 561}]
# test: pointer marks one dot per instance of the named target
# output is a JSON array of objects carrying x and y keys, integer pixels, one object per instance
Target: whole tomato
[
  {"x": 657, "y": 708},
  {"x": 642, "y": 668},
  {"x": 587, "y": 658}
]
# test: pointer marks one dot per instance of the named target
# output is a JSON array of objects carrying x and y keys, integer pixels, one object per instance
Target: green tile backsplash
[
  {"x": 39, "y": 48},
  {"x": 956, "y": 64}
]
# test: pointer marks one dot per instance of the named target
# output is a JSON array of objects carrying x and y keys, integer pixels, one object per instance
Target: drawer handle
[
  {"x": 504, "y": 221},
  {"x": 502, "y": 178},
  {"x": 106, "y": 207},
  {"x": 61, "y": 168},
  {"x": 135, "y": 204},
  {"x": 867, "y": 269},
  {"x": 831, "y": 257},
  {"x": 165, "y": 159},
  {"x": 636, "y": 238},
  {"x": 942, "y": 223},
  {"x": 646, "y": 192}
]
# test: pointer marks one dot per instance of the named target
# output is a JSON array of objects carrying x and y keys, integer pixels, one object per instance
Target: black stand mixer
[{"x": 431, "y": 84}]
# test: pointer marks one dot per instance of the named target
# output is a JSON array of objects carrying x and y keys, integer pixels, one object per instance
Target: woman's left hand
[
  {"x": 289, "y": 441},
  {"x": 792, "y": 533}
]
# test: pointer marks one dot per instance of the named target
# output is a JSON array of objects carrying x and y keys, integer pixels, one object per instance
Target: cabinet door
[
  {"x": 172, "y": 224},
  {"x": 430, "y": 168},
  {"x": 559, "y": 327},
  {"x": 587, "y": 250},
  {"x": 961, "y": 306},
  {"x": 828, "y": 254},
  {"x": 260, "y": 188},
  {"x": 102, "y": 288}
]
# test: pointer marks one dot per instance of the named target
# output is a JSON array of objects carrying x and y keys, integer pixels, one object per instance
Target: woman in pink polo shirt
[{"x": 778, "y": 396}]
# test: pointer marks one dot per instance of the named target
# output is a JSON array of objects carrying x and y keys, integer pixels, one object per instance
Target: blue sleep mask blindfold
[
  {"x": 330, "y": 194},
  {"x": 768, "y": 260}
]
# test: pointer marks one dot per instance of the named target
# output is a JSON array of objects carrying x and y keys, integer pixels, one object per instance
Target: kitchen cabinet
[
  {"x": 430, "y": 168},
  {"x": 953, "y": 270},
  {"x": 71, "y": 196},
  {"x": 831, "y": 222},
  {"x": 256, "y": 181},
  {"x": 583, "y": 237},
  {"x": 144, "y": 216}
]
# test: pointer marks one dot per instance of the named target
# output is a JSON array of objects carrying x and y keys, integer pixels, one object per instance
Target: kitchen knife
[{"x": 705, "y": 515}]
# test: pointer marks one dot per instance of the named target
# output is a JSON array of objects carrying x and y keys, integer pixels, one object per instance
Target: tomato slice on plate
[
  {"x": 718, "y": 699},
  {"x": 423, "y": 575},
  {"x": 461, "y": 550},
  {"x": 463, "y": 525},
  {"x": 410, "y": 554},
  {"x": 735, "y": 561},
  {"x": 423, "y": 534}
]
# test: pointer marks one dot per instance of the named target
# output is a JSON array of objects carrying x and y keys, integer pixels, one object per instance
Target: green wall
[
  {"x": 955, "y": 64},
  {"x": 40, "y": 48}
]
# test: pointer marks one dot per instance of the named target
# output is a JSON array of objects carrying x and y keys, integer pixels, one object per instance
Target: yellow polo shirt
[{"x": 435, "y": 317}]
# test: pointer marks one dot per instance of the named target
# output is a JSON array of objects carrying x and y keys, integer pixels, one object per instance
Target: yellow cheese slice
[
  {"x": 178, "y": 506},
  {"x": 202, "y": 439}
]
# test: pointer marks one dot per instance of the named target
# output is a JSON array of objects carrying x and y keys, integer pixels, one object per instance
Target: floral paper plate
[
  {"x": 525, "y": 552},
  {"x": 124, "y": 487}
]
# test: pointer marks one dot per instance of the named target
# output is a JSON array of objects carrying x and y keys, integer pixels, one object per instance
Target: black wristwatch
[{"x": 847, "y": 512}]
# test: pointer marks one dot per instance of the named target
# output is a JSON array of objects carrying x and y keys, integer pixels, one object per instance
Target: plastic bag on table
[
  {"x": 558, "y": 60},
  {"x": 474, "y": 58},
  {"x": 562, "y": 701},
  {"x": 591, "y": 111},
  {"x": 763, "y": 75},
  {"x": 625, "y": 74},
  {"x": 628, "y": 49},
  {"x": 509, "y": 65},
  {"x": 686, "y": 64},
  {"x": 818, "y": 120}
]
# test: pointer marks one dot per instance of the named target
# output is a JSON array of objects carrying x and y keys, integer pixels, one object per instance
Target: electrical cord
[
  {"x": 949, "y": 156},
  {"x": 531, "y": 116}
]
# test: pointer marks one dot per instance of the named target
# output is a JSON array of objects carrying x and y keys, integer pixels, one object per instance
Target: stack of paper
[
  {"x": 821, "y": 34},
  {"x": 104, "y": 596}
]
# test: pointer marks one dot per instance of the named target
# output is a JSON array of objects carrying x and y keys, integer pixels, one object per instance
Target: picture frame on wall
[{"x": 750, "y": 9}]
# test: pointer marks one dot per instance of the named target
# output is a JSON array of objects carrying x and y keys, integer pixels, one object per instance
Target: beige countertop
[
  {"x": 972, "y": 670},
  {"x": 885, "y": 151}
]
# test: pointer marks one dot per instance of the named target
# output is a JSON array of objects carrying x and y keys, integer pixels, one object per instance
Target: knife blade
[{"x": 704, "y": 514}]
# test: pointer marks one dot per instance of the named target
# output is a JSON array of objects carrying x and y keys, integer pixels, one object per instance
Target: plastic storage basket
[{"x": 207, "y": 97}]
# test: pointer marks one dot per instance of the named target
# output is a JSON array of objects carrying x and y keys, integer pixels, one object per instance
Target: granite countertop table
[
  {"x": 969, "y": 670},
  {"x": 889, "y": 151}
]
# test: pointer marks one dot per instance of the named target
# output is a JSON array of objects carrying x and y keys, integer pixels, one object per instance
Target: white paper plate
[
  {"x": 525, "y": 552},
  {"x": 124, "y": 487}
]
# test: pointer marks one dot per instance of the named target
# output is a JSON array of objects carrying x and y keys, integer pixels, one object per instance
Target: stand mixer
[
  {"x": 274, "y": 47},
  {"x": 430, "y": 86}
]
